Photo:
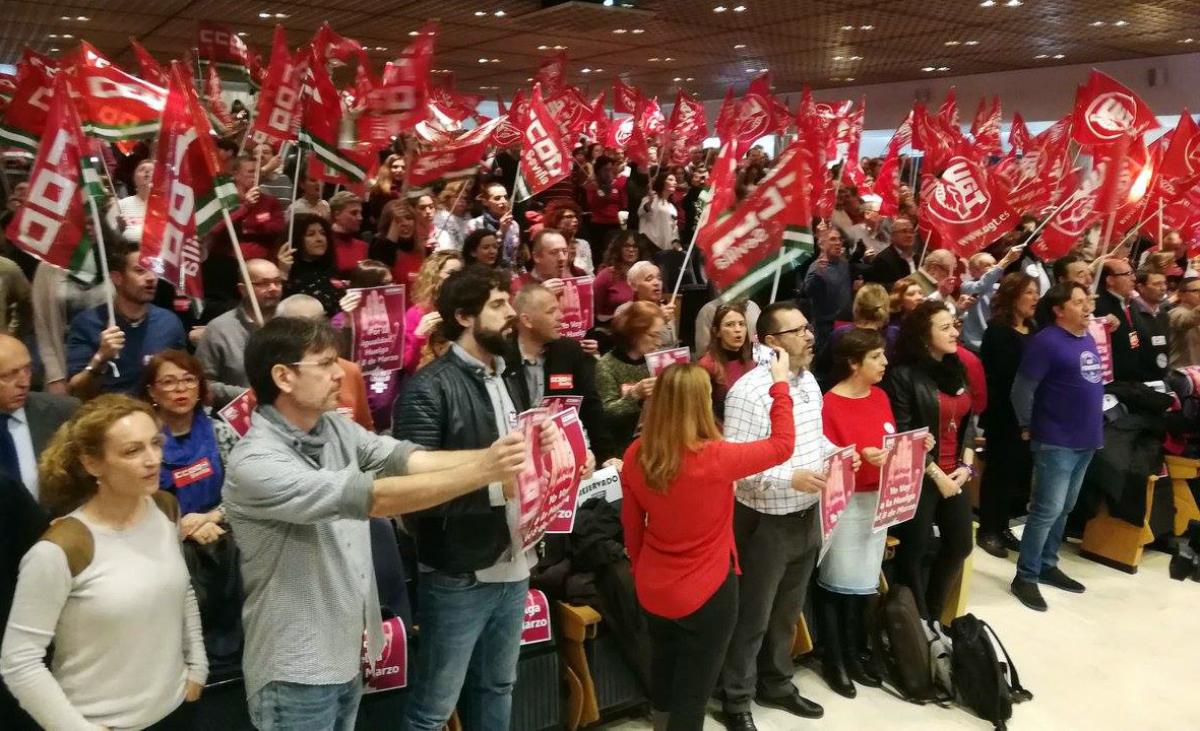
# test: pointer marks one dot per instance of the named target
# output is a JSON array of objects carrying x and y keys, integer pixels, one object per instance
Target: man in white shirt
[
  {"x": 776, "y": 527},
  {"x": 27, "y": 419}
]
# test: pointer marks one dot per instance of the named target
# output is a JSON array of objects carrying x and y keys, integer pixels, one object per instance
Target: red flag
[
  {"x": 151, "y": 70},
  {"x": 625, "y": 97},
  {"x": 619, "y": 133},
  {"x": 598, "y": 122},
  {"x": 113, "y": 105},
  {"x": 220, "y": 45},
  {"x": 754, "y": 119},
  {"x": 985, "y": 128},
  {"x": 742, "y": 247},
  {"x": 500, "y": 110},
  {"x": 398, "y": 103},
  {"x": 508, "y": 131},
  {"x": 333, "y": 46},
  {"x": 552, "y": 74},
  {"x": 723, "y": 182},
  {"x": 49, "y": 224},
  {"x": 949, "y": 109},
  {"x": 279, "y": 100},
  {"x": 688, "y": 121},
  {"x": 570, "y": 109},
  {"x": 454, "y": 104},
  {"x": 652, "y": 120},
  {"x": 321, "y": 122},
  {"x": 1018, "y": 134},
  {"x": 935, "y": 137},
  {"x": 1065, "y": 229},
  {"x": 812, "y": 143},
  {"x": 965, "y": 209},
  {"x": 887, "y": 183},
  {"x": 1180, "y": 160},
  {"x": 727, "y": 117},
  {"x": 212, "y": 92},
  {"x": 459, "y": 159},
  {"x": 637, "y": 149},
  {"x": 852, "y": 172},
  {"x": 189, "y": 188},
  {"x": 8, "y": 85},
  {"x": 545, "y": 160},
  {"x": 25, "y": 116},
  {"x": 1105, "y": 110}
]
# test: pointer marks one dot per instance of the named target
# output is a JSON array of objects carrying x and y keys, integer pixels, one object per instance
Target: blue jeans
[
  {"x": 469, "y": 643},
  {"x": 280, "y": 706},
  {"x": 1057, "y": 478}
]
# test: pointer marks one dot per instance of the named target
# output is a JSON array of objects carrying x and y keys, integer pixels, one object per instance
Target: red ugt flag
[
  {"x": 545, "y": 159},
  {"x": 1105, "y": 110},
  {"x": 50, "y": 222},
  {"x": 625, "y": 97},
  {"x": 965, "y": 210},
  {"x": 188, "y": 191},
  {"x": 688, "y": 122}
]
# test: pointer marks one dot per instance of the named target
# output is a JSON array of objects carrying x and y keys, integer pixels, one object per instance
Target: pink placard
[
  {"x": 537, "y": 618},
  {"x": 237, "y": 412},
  {"x": 658, "y": 361},
  {"x": 378, "y": 328},
  {"x": 1103, "y": 338},
  {"x": 900, "y": 478},
  {"x": 839, "y": 488},
  {"x": 577, "y": 302},
  {"x": 391, "y": 669},
  {"x": 555, "y": 404},
  {"x": 551, "y": 480}
]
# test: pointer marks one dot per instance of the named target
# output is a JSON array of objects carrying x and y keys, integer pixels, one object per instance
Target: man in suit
[
  {"x": 899, "y": 259},
  {"x": 27, "y": 419},
  {"x": 22, "y": 521}
]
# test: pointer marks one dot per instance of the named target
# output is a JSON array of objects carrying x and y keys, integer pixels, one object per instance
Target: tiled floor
[{"x": 1124, "y": 655}]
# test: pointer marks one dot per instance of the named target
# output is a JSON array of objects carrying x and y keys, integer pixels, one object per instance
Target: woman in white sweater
[
  {"x": 106, "y": 585},
  {"x": 128, "y": 215},
  {"x": 659, "y": 218}
]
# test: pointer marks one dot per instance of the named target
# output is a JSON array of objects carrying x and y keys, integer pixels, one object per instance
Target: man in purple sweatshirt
[{"x": 1057, "y": 395}]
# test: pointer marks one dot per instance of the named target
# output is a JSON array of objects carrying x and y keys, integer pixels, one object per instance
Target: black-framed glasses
[{"x": 803, "y": 328}]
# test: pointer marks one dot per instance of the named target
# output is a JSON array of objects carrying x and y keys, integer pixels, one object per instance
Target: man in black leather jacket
[{"x": 474, "y": 575}]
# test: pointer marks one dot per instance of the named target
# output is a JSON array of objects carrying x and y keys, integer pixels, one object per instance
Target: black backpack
[
  {"x": 903, "y": 647},
  {"x": 982, "y": 682}
]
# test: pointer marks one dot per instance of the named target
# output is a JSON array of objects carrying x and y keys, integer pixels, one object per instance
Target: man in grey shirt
[
  {"x": 224, "y": 340},
  {"x": 299, "y": 489}
]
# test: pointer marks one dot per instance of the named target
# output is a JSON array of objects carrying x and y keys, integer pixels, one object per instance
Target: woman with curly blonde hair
[
  {"x": 422, "y": 319},
  {"x": 106, "y": 584}
]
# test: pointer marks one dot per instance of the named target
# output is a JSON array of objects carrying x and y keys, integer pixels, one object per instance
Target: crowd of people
[{"x": 115, "y": 465}]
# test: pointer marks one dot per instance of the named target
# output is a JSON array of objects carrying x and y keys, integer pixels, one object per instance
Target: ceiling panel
[{"x": 821, "y": 42}]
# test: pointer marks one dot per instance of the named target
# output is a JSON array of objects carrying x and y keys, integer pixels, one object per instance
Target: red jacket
[
  {"x": 681, "y": 543},
  {"x": 259, "y": 229}
]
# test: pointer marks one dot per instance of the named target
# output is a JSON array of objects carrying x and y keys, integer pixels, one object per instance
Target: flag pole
[
  {"x": 1051, "y": 215},
  {"x": 1160, "y": 221},
  {"x": 108, "y": 296},
  {"x": 687, "y": 257},
  {"x": 295, "y": 186},
  {"x": 241, "y": 260},
  {"x": 778, "y": 273}
]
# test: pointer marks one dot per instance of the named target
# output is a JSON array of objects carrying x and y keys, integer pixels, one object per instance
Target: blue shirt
[
  {"x": 1059, "y": 390},
  {"x": 159, "y": 330}
]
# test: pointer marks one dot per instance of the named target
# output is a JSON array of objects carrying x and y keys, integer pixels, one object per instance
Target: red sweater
[
  {"x": 862, "y": 422},
  {"x": 681, "y": 543},
  {"x": 348, "y": 251}
]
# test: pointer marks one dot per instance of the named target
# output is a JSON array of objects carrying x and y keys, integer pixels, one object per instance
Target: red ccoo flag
[
  {"x": 552, "y": 74},
  {"x": 24, "y": 118},
  {"x": 688, "y": 122},
  {"x": 151, "y": 69},
  {"x": 398, "y": 103},
  {"x": 1105, "y": 110},
  {"x": 278, "y": 115},
  {"x": 545, "y": 159}
]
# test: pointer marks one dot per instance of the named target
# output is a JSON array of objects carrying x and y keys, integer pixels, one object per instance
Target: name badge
[
  {"x": 1158, "y": 341},
  {"x": 562, "y": 381},
  {"x": 262, "y": 217},
  {"x": 1134, "y": 342},
  {"x": 195, "y": 472}
]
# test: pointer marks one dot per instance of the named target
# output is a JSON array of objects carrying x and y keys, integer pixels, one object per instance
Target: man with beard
[
  {"x": 775, "y": 526},
  {"x": 108, "y": 356},
  {"x": 223, "y": 343},
  {"x": 471, "y": 594}
]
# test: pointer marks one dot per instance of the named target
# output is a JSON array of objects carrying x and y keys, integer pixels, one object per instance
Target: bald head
[
  {"x": 539, "y": 315},
  {"x": 940, "y": 264},
  {"x": 267, "y": 283},
  {"x": 15, "y": 373},
  {"x": 302, "y": 306}
]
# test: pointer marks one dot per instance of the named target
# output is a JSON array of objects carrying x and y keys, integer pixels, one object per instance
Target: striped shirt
[
  {"x": 298, "y": 503},
  {"x": 747, "y": 418}
]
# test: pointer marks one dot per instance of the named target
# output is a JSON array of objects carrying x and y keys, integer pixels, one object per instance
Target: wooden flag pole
[
  {"x": 99, "y": 234},
  {"x": 241, "y": 260},
  {"x": 295, "y": 186}
]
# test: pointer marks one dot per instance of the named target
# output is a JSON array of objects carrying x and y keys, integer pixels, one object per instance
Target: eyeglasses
[
  {"x": 1121, "y": 274},
  {"x": 172, "y": 384},
  {"x": 276, "y": 282},
  {"x": 803, "y": 328},
  {"x": 327, "y": 364}
]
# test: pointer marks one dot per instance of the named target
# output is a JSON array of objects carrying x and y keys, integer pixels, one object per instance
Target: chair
[
  {"x": 1180, "y": 470},
  {"x": 1114, "y": 542}
]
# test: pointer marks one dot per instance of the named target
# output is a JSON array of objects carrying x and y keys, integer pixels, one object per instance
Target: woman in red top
[
  {"x": 855, "y": 411},
  {"x": 928, "y": 389},
  {"x": 678, "y": 521}
]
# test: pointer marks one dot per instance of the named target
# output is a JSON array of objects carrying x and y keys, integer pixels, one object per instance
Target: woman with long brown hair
[
  {"x": 612, "y": 287},
  {"x": 106, "y": 584},
  {"x": 678, "y": 520},
  {"x": 396, "y": 243},
  {"x": 1005, "y": 483},
  {"x": 730, "y": 352},
  {"x": 422, "y": 318},
  {"x": 389, "y": 180}
]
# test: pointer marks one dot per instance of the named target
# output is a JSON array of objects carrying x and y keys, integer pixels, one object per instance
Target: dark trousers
[
  {"x": 953, "y": 518},
  {"x": 180, "y": 719},
  {"x": 777, "y": 554},
  {"x": 686, "y": 656},
  {"x": 1006, "y": 480}
]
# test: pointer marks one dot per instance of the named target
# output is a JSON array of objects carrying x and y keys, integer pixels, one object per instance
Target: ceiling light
[
  {"x": 847, "y": 27},
  {"x": 381, "y": 48},
  {"x": 619, "y": 30},
  {"x": 560, "y": 48},
  {"x": 52, "y": 35},
  {"x": 1040, "y": 56},
  {"x": 608, "y": 3},
  {"x": 690, "y": 78},
  {"x": 529, "y": 78},
  {"x": 585, "y": 71},
  {"x": 1059, "y": 56},
  {"x": 719, "y": 9},
  {"x": 1121, "y": 23},
  {"x": 499, "y": 13},
  {"x": 970, "y": 43},
  {"x": 866, "y": 27},
  {"x": 543, "y": 48},
  {"x": 240, "y": 33},
  {"x": 752, "y": 71},
  {"x": 1096, "y": 23},
  {"x": 856, "y": 58},
  {"x": 597, "y": 71},
  {"x": 654, "y": 60},
  {"x": 849, "y": 78},
  {"x": 84, "y": 18},
  {"x": 943, "y": 68},
  {"x": 1014, "y": 3},
  {"x": 480, "y": 13},
  {"x": 53, "y": 50},
  {"x": 928, "y": 69},
  {"x": 637, "y": 30},
  {"x": 739, "y": 8},
  {"x": 762, "y": 71},
  {"x": 677, "y": 78},
  {"x": 1186, "y": 40},
  {"x": 668, "y": 58},
  {"x": 264, "y": 15},
  {"x": 951, "y": 43},
  {"x": 838, "y": 58},
  {"x": 414, "y": 32},
  {"x": 987, "y": 3},
  {"x": 739, "y": 46}
]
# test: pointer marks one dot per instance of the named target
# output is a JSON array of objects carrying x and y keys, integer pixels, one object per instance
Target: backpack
[
  {"x": 981, "y": 682},
  {"x": 903, "y": 648}
]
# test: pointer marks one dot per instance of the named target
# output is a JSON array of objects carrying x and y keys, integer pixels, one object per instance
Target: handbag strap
[{"x": 1012, "y": 668}]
